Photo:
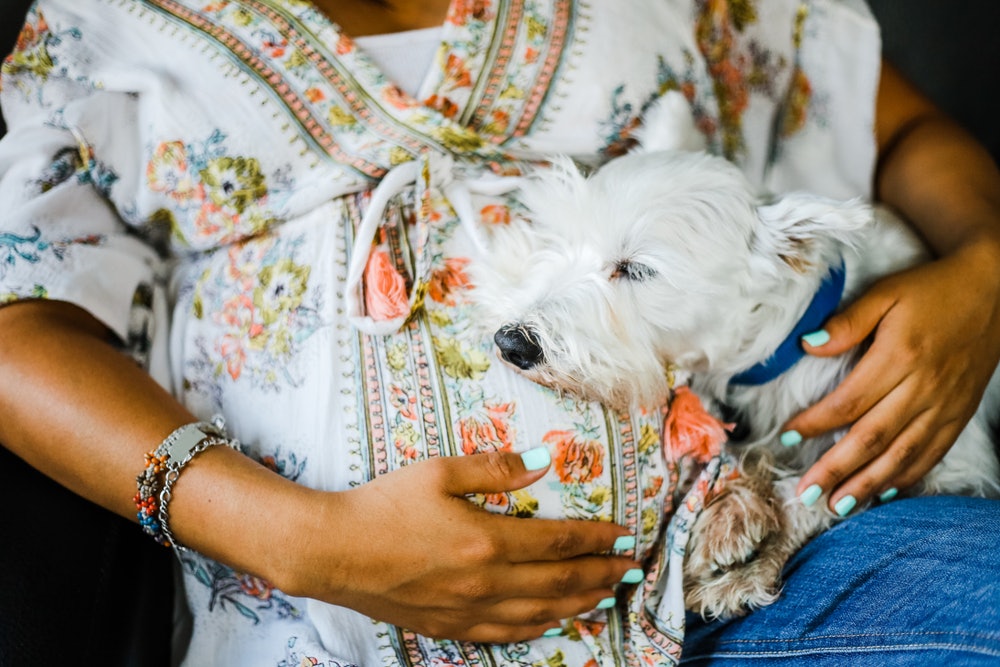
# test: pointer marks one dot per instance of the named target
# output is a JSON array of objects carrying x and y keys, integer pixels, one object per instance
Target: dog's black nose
[{"x": 518, "y": 346}]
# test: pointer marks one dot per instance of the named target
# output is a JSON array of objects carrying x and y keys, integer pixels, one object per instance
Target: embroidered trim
[{"x": 494, "y": 75}]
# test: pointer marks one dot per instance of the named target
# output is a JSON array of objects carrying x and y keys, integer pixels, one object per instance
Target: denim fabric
[{"x": 911, "y": 582}]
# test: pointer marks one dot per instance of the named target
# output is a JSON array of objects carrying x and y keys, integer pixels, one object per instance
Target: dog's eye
[{"x": 634, "y": 271}]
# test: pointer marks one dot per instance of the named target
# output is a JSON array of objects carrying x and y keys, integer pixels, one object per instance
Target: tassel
[{"x": 689, "y": 430}]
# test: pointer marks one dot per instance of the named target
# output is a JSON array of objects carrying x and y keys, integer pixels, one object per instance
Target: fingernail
[
  {"x": 624, "y": 543},
  {"x": 845, "y": 505},
  {"x": 606, "y": 603},
  {"x": 552, "y": 632},
  {"x": 811, "y": 495},
  {"x": 791, "y": 438},
  {"x": 817, "y": 338},
  {"x": 633, "y": 576},
  {"x": 536, "y": 459},
  {"x": 888, "y": 494}
]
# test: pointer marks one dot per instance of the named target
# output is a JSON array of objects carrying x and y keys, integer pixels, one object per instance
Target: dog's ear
[
  {"x": 799, "y": 229},
  {"x": 668, "y": 125}
]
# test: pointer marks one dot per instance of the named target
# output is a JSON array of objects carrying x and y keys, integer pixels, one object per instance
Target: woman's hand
[
  {"x": 410, "y": 549},
  {"x": 936, "y": 342}
]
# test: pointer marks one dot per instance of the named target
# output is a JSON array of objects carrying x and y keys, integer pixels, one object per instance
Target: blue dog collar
[{"x": 823, "y": 304}]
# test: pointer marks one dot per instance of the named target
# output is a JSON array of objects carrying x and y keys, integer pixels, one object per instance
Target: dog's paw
[{"x": 735, "y": 553}]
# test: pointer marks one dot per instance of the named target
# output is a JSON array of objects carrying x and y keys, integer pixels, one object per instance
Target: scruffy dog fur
[{"x": 666, "y": 258}]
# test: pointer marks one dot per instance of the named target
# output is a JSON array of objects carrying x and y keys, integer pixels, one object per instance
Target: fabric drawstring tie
[{"x": 431, "y": 171}]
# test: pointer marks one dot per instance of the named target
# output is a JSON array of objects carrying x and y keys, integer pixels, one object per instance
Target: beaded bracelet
[{"x": 180, "y": 445}]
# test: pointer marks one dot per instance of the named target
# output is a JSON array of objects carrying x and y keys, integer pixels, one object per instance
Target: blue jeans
[{"x": 911, "y": 582}]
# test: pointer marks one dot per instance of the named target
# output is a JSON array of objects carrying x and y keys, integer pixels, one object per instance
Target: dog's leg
[{"x": 742, "y": 540}]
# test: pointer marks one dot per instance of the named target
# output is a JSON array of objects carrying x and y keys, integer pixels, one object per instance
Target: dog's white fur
[{"x": 665, "y": 259}]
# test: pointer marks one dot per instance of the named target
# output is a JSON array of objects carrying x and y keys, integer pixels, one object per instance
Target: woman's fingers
[
  {"x": 559, "y": 579},
  {"x": 551, "y": 540},
  {"x": 912, "y": 391},
  {"x": 875, "y": 377},
  {"x": 853, "y": 324},
  {"x": 519, "y": 540},
  {"x": 457, "y": 566},
  {"x": 872, "y": 378},
  {"x": 848, "y": 468},
  {"x": 898, "y": 468},
  {"x": 533, "y": 612}
]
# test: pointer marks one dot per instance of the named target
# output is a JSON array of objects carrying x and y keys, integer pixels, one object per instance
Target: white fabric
[{"x": 404, "y": 57}]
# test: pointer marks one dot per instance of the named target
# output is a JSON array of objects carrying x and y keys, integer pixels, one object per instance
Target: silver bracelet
[{"x": 181, "y": 451}]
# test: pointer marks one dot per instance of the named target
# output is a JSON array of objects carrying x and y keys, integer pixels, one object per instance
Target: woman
[{"x": 241, "y": 140}]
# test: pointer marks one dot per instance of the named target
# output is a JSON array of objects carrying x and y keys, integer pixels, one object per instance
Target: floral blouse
[{"x": 194, "y": 173}]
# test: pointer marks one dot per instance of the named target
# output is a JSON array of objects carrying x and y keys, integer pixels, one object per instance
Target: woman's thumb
[
  {"x": 847, "y": 328},
  {"x": 495, "y": 472}
]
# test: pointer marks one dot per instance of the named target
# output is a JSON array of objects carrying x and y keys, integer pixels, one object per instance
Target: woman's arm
[
  {"x": 936, "y": 327},
  {"x": 406, "y": 548}
]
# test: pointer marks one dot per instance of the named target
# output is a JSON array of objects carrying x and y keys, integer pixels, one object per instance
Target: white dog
[{"x": 667, "y": 260}]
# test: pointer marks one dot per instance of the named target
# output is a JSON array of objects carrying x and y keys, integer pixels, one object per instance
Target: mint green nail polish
[
  {"x": 624, "y": 543},
  {"x": 811, "y": 495},
  {"x": 536, "y": 459},
  {"x": 552, "y": 632},
  {"x": 817, "y": 338},
  {"x": 888, "y": 494},
  {"x": 791, "y": 438},
  {"x": 845, "y": 505},
  {"x": 633, "y": 576},
  {"x": 606, "y": 603}
]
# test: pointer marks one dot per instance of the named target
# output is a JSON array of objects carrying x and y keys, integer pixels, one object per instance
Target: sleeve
[{"x": 60, "y": 237}]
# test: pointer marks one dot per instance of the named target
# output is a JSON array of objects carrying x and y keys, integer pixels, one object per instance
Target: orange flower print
[
  {"x": 385, "y": 290},
  {"x": 31, "y": 35},
  {"x": 461, "y": 12},
  {"x": 576, "y": 461},
  {"x": 499, "y": 122},
  {"x": 441, "y": 103},
  {"x": 655, "y": 484},
  {"x": 31, "y": 52},
  {"x": 501, "y": 501},
  {"x": 405, "y": 438},
  {"x": 588, "y": 629},
  {"x": 456, "y": 73},
  {"x": 796, "y": 104},
  {"x": 239, "y": 313},
  {"x": 231, "y": 349},
  {"x": 512, "y": 503},
  {"x": 530, "y": 55},
  {"x": 214, "y": 221},
  {"x": 344, "y": 45},
  {"x": 490, "y": 433},
  {"x": 394, "y": 96},
  {"x": 495, "y": 214},
  {"x": 276, "y": 49},
  {"x": 690, "y": 430},
  {"x": 405, "y": 403},
  {"x": 246, "y": 261},
  {"x": 446, "y": 280},
  {"x": 167, "y": 172},
  {"x": 315, "y": 95},
  {"x": 255, "y": 586}
]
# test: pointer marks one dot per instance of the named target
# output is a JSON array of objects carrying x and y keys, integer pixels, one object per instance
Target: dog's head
[{"x": 661, "y": 259}]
